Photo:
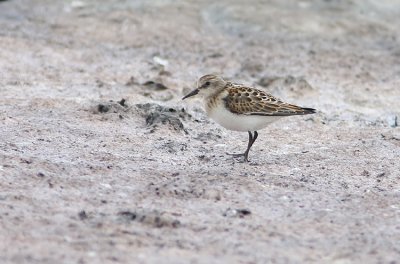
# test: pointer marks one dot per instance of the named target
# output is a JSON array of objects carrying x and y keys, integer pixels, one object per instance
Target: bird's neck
[
  {"x": 217, "y": 93},
  {"x": 213, "y": 100}
]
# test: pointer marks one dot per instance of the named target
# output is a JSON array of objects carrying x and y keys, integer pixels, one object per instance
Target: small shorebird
[{"x": 241, "y": 108}]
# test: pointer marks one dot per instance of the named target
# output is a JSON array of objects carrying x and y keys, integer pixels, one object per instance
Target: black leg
[
  {"x": 246, "y": 153},
  {"x": 255, "y": 137},
  {"x": 252, "y": 139}
]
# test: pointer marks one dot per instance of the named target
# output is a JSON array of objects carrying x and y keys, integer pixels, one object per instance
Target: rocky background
[{"x": 101, "y": 161}]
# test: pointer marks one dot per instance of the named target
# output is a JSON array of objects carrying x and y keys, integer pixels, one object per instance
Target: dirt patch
[{"x": 102, "y": 162}]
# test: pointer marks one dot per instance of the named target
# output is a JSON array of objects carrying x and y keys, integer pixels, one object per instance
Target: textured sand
[{"x": 86, "y": 177}]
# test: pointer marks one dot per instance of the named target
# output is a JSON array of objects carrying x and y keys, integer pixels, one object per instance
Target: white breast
[{"x": 237, "y": 122}]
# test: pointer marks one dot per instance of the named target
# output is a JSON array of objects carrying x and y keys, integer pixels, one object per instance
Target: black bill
[{"x": 194, "y": 92}]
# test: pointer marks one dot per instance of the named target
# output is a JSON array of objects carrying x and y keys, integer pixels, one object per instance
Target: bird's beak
[{"x": 194, "y": 92}]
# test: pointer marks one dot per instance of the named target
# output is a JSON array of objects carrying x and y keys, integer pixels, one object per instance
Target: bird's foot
[
  {"x": 235, "y": 155},
  {"x": 239, "y": 155}
]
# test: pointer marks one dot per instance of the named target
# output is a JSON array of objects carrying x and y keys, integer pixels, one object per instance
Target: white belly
[{"x": 237, "y": 122}]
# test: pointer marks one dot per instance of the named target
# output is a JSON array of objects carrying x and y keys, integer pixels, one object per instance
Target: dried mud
[{"x": 101, "y": 161}]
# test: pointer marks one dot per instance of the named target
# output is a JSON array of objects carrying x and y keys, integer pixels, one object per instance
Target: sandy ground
[{"x": 101, "y": 161}]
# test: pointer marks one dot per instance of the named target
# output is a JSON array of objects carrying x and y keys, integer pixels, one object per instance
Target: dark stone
[
  {"x": 82, "y": 215},
  {"x": 122, "y": 102},
  {"x": 103, "y": 108},
  {"x": 128, "y": 215},
  {"x": 156, "y": 86}
]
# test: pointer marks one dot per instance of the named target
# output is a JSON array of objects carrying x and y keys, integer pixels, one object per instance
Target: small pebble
[{"x": 392, "y": 120}]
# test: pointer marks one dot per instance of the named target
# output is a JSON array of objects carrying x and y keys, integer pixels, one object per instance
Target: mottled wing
[{"x": 250, "y": 101}]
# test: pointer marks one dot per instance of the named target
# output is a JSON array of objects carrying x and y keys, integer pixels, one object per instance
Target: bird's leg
[
  {"x": 248, "y": 147},
  {"x": 252, "y": 139}
]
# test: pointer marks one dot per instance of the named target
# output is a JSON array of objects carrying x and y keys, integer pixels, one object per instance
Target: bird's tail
[{"x": 308, "y": 110}]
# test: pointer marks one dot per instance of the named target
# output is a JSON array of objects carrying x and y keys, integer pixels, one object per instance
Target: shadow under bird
[{"x": 240, "y": 108}]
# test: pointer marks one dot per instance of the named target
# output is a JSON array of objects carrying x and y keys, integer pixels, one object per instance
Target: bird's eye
[{"x": 206, "y": 84}]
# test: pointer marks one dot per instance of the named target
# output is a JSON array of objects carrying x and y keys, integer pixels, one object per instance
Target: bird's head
[{"x": 207, "y": 85}]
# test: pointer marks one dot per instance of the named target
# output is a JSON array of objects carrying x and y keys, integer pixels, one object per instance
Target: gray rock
[
  {"x": 392, "y": 120},
  {"x": 156, "y": 114}
]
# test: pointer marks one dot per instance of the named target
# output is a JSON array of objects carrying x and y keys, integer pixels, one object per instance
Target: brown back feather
[{"x": 250, "y": 101}]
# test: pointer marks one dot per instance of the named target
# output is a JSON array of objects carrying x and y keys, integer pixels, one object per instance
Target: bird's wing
[{"x": 249, "y": 101}]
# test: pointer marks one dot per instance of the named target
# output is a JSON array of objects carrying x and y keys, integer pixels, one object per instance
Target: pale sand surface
[{"x": 148, "y": 181}]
